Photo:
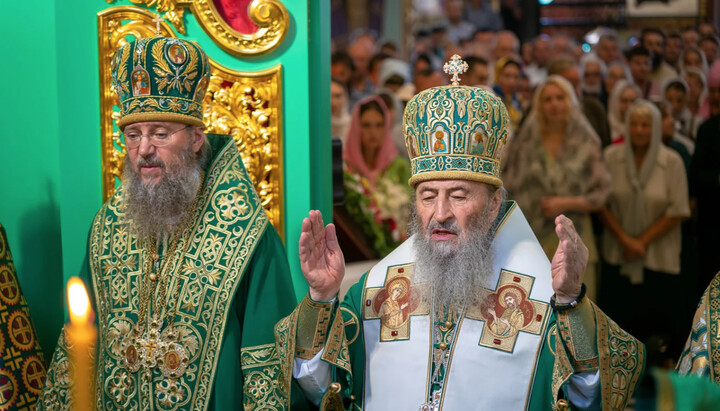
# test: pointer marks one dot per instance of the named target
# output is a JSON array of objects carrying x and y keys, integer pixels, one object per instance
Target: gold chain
[{"x": 163, "y": 274}]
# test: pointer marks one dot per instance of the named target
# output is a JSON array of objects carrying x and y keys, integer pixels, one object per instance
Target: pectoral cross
[
  {"x": 455, "y": 66},
  {"x": 157, "y": 21}
]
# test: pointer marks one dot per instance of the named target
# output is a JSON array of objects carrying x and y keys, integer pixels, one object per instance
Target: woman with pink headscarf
[{"x": 377, "y": 196}]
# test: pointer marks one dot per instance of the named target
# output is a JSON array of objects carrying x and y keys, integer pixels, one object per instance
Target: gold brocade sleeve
[
  {"x": 593, "y": 341},
  {"x": 701, "y": 355},
  {"x": 313, "y": 322},
  {"x": 325, "y": 329},
  {"x": 577, "y": 329}
]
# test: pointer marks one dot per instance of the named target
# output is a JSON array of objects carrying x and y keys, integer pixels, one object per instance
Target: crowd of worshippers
[{"x": 620, "y": 138}]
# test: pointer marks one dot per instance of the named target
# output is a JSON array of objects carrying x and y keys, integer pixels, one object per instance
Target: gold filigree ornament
[
  {"x": 270, "y": 16},
  {"x": 246, "y": 105}
]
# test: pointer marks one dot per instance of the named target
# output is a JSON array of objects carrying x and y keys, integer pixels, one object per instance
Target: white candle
[{"x": 81, "y": 334}]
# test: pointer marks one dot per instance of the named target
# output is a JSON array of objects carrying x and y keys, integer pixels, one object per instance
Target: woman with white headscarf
[
  {"x": 554, "y": 166},
  {"x": 697, "y": 93},
  {"x": 648, "y": 201},
  {"x": 623, "y": 94}
]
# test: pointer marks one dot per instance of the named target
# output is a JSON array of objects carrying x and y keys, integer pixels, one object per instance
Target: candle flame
[{"x": 78, "y": 301}]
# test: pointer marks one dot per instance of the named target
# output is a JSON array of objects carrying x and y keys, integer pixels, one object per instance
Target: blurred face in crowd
[
  {"x": 526, "y": 53},
  {"x": 337, "y": 98},
  {"x": 692, "y": 59},
  {"x": 677, "y": 99},
  {"x": 560, "y": 46},
  {"x": 640, "y": 130},
  {"x": 654, "y": 42},
  {"x": 372, "y": 128},
  {"x": 694, "y": 87},
  {"x": 614, "y": 73},
  {"x": 640, "y": 68},
  {"x": 505, "y": 45},
  {"x": 673, "y": 49},
  {"x": 627, "y": 97},
  {"x": 592, "y": 77},
  {"x": 690, "y": 38},
  {"x": 453, "y": 11},
  {"x": 714, "y": 100},
  {"x": 608, "y": 50},
  {"x": 555, "y": 105},
  {"x": 361, "y": 52},
  {"x": 524, "y": 91},
  {"x": 508, "y": 80},
  {"x": 341, "y": 71},
  {"x": 478, "y": 75},
  {"x": 573, "y": 76},
  {"x": 709, "y": 48},
  {"x": 541, "y": 52},
  {"x": 668, "y": 124},
  {"x": 706, "y": 29}
]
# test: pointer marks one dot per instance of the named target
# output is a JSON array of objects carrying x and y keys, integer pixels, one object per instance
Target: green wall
[
  {"x": 50, "y": 185},
  {"x": 30, "y": 181}
]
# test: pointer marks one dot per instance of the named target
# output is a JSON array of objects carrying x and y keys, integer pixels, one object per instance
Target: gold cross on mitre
[
  {"x": 456, "y": 67},
  {"x": 157, "y": 21}
]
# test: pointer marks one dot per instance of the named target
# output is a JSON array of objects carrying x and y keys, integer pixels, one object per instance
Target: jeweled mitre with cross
[{"x": 456, "y": 132}]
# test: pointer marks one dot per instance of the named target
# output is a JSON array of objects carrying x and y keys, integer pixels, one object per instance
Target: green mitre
[
  {"x": 455, "y": 132},
  {"x": 160, "y": 79}
]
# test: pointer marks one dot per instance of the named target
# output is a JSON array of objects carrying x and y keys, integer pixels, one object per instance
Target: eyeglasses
[{"x": 159, "y": 138}]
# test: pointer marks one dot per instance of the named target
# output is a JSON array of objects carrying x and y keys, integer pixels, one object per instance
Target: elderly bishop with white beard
[{"x": 468, "y": 313}]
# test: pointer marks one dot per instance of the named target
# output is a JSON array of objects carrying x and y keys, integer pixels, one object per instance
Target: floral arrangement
[{"x": 382, "y": 211}]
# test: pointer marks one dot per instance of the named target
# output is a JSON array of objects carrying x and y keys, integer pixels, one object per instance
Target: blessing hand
[
  {"x": 321, "y": 259},
  {"x": 569, "y": 261}
]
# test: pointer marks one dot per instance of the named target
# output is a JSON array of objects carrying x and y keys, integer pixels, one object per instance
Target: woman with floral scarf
[{"x": 377, "y": 195}]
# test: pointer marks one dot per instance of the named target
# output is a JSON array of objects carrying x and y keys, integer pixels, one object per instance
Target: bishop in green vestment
[
  {"x": 485, "y": 321},
  {"x": 185, "y": 272}
]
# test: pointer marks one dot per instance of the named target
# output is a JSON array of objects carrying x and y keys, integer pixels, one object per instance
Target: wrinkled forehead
[
  {"x": 447, "y": 185},
  {"x": 152, "y": 125}
]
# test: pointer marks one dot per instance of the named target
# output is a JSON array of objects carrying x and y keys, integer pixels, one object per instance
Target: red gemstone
[
  {"x": 401, "y": 270},
  {"x": 625, "y": 354},
  {"x": 393, "y": 333},
  {"x": 368, "y": 303},
  {"x": 516, "y": 279},
  {"x": 538, "y": 317},
  {"x": 496, "y": 341}
]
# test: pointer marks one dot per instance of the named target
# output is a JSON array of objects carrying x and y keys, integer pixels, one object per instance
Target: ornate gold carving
[
  {"x": 270, "y": 16},
  {"x": 249, "y": 110},
  {"x": 246, "y": 105}
]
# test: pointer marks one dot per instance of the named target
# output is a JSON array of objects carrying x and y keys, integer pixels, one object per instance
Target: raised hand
[
  {"x": 569, "y": 261},
  {"x": 321, "y": 259}
]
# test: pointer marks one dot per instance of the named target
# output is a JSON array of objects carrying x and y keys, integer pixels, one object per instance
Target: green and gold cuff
[
  {"x": 578, "y": 329},
  {"x": 313, "y": 322}
]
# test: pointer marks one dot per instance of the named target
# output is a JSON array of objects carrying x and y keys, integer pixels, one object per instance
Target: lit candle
[{"x": 81, "y": 334}]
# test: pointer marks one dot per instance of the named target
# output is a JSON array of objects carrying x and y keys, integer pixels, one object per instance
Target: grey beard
[
  {"x": 456, "y": 275},
  {"x": 158, "y": 209}
]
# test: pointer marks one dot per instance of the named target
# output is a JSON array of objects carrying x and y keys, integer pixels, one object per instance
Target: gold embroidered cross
[
  {"x": 395, "y": 302},
  {"x": 508, "y": 310},
  {"x": 456, "y": 67}
]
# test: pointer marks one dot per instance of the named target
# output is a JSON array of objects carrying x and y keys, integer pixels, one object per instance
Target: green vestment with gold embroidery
[
  {"x": 701, "y": 355},
  {"x": 229, "y": 284},
  {"x": 461, "y": 358}
]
